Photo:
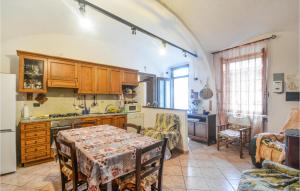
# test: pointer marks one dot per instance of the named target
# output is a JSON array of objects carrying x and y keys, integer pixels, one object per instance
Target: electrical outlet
[{"x": 36, "y": 105}]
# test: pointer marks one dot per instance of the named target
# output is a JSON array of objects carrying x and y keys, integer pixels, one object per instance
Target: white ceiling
[{"x": 219, "y": 24}]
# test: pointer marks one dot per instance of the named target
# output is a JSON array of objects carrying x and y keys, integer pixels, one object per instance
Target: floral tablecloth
[{"x": 105, "y": 152}]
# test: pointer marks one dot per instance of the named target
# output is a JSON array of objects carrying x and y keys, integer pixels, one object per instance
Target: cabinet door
[
  {"x": 119, "y": 121},
  {"x": 201, "y": 131},
  {"x": 130, "y": 77},
  {"x": 115, "y": 81},
  {"x": 62, "y": 74},
  {"x": 102, "y": 80},
  {"x": 191, "y": 128},
  {"x": 86, "y": 79},
  {"x": 32, "y": 74},
  {"x": 109, "y": 120}
]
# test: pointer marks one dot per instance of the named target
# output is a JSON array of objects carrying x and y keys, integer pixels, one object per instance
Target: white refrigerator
[{"x": 7, "y": 123}]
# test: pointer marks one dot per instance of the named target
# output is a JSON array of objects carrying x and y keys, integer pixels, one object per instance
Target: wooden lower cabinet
[
  {"x": 119, "y": 121},
  {"x": 35, "y": 142}
]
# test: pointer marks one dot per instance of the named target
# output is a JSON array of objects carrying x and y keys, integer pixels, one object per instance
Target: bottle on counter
[{"x": 25, "y": 111}]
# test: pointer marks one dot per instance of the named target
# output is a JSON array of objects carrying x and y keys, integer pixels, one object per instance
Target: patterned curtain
[{"x": 241, "y": 83}]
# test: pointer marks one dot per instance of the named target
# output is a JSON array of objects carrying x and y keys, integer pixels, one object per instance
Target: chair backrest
[
  {"x": 238, "y": 121},
  {"x": 83, "y": 124},
  {"x": 152, "y": 165},
  {"x": 131, "y": 125},
  {"x": 167, "y": 122},
  {"x": 67, "y": 161}
]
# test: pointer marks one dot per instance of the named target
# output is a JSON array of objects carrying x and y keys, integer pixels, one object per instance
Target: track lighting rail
[{"x": 133, "y": 27}]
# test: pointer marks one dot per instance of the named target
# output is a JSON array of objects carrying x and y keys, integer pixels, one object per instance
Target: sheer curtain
[{"x": 241, "y": 83}]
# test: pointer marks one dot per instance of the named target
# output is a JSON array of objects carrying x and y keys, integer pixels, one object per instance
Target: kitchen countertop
[{"x": 42, "y": 119}]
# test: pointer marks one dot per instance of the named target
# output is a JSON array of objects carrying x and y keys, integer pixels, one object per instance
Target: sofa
[{"x": 272, "y": 177}]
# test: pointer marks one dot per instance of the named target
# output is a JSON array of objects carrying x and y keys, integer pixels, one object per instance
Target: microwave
[{"x": 132, "y": 107}]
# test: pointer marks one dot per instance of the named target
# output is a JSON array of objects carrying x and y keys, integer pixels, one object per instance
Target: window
[
  {"x": 242, "y": 84},
  {"x": 164, "y": 92},
  {"x": 180, "y": 79}
]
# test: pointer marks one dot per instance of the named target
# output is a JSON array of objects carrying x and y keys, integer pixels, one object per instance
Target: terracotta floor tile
[
  {"x": 16, "y": 179},
  {"x": 192, "y": 171},
  {"x": 220, "y": 184},
  {"x": 172, "y": 182},
  {"x": 196, "y": 183},
  {"x": 234, "y": 183},
  {"x": 172, "y": 170}
]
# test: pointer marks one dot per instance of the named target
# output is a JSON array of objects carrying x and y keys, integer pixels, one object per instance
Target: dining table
[{"x": 105, "y": 152}]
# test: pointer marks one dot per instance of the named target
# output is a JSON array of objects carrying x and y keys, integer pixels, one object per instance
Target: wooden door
[
  {"x": 32, "y": 73},
  {"x": 119, "y": 121},
  {"x": 115, "y": 81},
  {"x": 62, "y": 74},
  {"x": 130, "y": 77},
  {"x": 87, "y": 79},
  {"x": 102, "y": 80}
]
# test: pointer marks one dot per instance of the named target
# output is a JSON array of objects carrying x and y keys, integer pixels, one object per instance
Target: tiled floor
[{"x": 203, "y": 168}]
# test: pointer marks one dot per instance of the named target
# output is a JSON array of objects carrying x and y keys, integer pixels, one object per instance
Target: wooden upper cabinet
[
  {"x": 130, "y": 77},
  {"x": 87, "y": 79},
  {"x": 32, "y": 73},
  {"x": 62, "y": 74},
  {"x": 115, "y": 81},
  {"x": 102, "y": 80}
]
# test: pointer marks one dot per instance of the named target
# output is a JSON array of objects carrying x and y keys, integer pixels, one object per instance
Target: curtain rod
[
  {"x": 268, "y": 38},
  {"x": 133, "y": 26}
]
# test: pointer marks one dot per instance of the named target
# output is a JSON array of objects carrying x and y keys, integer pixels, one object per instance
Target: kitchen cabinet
[
  {"x": 35, "y": 142},
  {"x": 102, "y": 80},
  {"x": 130, "y": 77},
  {"x": 119, "y": 121},
  {"x": 37, "y": 72},
  {"x": 32, "y": 73},
  {"x": 202, "y": 128},
  {"x": 115, "y": 81},
  {"x": 62, "y": 74},
  {"x": 87, "y": 79},
  {"x": 107, "y": 120}
]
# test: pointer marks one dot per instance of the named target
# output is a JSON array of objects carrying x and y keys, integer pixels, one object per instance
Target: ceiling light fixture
[
  {"x": 84, "y": 22},
  {"x": 133, "y": 30},
  {"x": 130, "y": 24},
  {"x": 163, "y": 48},
  {"x": 184, "y": 54}
]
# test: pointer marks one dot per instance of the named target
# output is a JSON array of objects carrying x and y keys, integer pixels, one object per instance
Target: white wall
[
  {"x": 149, "y": 121},
  {"x": 284, "y": 53}
]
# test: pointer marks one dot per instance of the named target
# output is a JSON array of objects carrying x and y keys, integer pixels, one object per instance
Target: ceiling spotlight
[
  {"x": 82, "y": 6},
  {"x": 163, "y": 48},
  {"x": 133, "y": 30},
  {"x": 184, "y": 54}
]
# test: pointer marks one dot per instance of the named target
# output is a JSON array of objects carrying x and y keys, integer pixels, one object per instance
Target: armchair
[
  {"x": 166, "y": 126},
  {"x": 238, "y": 129},
  {"x": 273, "y": 176},
  {"x": 270, "y": 146}
]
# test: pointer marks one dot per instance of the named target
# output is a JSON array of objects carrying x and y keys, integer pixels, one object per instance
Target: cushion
[
  {"x": 229, "y": 133},
  {"x": 129, "y": 182}
]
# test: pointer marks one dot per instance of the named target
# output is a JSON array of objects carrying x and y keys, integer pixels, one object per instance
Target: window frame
[
  {"x": 172, "y": 80},
  {"x": 264, "y": 92}
]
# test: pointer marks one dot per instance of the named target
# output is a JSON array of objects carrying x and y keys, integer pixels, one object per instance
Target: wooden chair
[
  {"x": 136, "y": 127},
  {"x": 81, "y": 124},
  {"x": 148, "y": 172},
  {"x": 71, "y": 179},
  {"x": 238, "y": 129}
]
